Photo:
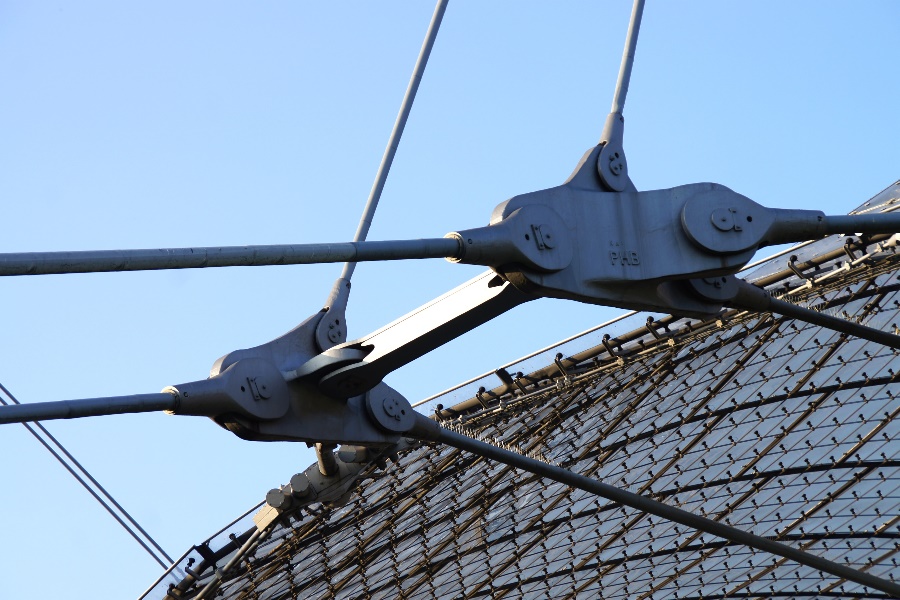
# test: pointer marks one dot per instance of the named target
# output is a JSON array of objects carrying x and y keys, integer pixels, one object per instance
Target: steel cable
[
  {"x": 81, "y": 474},
  {"x": 394, "y": 141}
]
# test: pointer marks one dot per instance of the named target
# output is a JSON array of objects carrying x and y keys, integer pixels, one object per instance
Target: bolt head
[
  {"x": 392, "y": 408},
  {"x": 277, "y": 499}
]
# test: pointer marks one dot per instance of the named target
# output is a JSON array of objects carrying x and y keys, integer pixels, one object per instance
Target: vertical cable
[{"x": 394, "y": 141}]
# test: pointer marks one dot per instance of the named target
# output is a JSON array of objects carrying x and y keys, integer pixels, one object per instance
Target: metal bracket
[
  {"x": 611, "y": 165},
  {"x": 352, "y": 368},
  {"x": 332, "y": 327}
]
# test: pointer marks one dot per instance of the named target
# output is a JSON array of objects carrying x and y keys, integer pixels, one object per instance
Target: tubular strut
[
  {"x": 96, "y": 261},
  {"x": 743, "y": 295},
  {"x": 793, "y": 311},
  {"x": 88, "y": 407}
]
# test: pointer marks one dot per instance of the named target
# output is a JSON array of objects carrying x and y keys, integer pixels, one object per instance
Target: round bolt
[
  {"x": 299, "y": 485},
  {"x": 616, "y": 165},
  {"x": 393, "y": 409},
  {"x": 278, "y": 499}
]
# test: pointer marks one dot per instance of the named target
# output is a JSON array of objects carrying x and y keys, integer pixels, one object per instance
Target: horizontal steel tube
[
  {"x": 90, "y": 407},
  {"x": 798, "y": 225},
  {"x": 431, "y": 431},
  {"x": 866, "y": 224},
  {"x": 95, "y": 261}
]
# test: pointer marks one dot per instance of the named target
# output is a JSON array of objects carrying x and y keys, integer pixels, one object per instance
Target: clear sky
[{"x": 160, "y": 124}]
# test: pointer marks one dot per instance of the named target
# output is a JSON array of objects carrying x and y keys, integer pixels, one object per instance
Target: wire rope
[
  {"x": 394, "y": 141},
  {"x": 77, "y": 470}
]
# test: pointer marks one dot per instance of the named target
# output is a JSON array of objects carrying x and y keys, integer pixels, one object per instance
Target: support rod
[
  {"x": 634, "y": 27},
  {"x": 799, "y": 225},
  {"x": 427, "y": 429},
  {"x": 869, "y": 223},
  {"x": 394, "y": 141},
  {"x": 754, "y": 298},
  {"x": 90, "y": 407},
  {"x": 97, "y": 261}
]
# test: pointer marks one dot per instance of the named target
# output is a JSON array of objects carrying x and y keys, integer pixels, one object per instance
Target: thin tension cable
[{"x": 80, "y": 473}]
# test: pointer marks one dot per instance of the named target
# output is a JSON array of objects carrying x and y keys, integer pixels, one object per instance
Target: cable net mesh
[{"x": 780, "y": 428}]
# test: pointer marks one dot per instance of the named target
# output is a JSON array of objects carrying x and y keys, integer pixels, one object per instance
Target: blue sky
[{"x": 127, "y": 125}]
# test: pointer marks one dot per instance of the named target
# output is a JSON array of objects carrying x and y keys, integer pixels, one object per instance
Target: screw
[
  {"x": 616, "y": 165},
  {"x": 392, "y": 408},
  {"x": 278, "y": 499}
]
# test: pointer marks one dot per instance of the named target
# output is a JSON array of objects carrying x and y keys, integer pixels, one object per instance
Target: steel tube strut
[
  {"x": 756, "y": 299},
  {"x": 95, "y": 261},
  {"x": 427, "y": 429},
  {"x": 793, "y": 311},
  {"x": 870, "y": 223},
  {"x": 90, "y": 407}
]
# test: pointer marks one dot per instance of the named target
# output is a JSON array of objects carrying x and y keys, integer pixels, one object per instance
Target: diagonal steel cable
[
  {"x": 394, "y": 141},
  {"x": 634, "y": 27},
  {"x": 82, "y": 475}
]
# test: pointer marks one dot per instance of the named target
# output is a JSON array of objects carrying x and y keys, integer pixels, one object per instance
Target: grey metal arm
[
  {"x": 90, "y": 407},
  {"x": 397, "y": 132},
  {"x": 94, "y": 261},
  {"x": 356, "y": 367},
  {"x": 738, "y": 293}
]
